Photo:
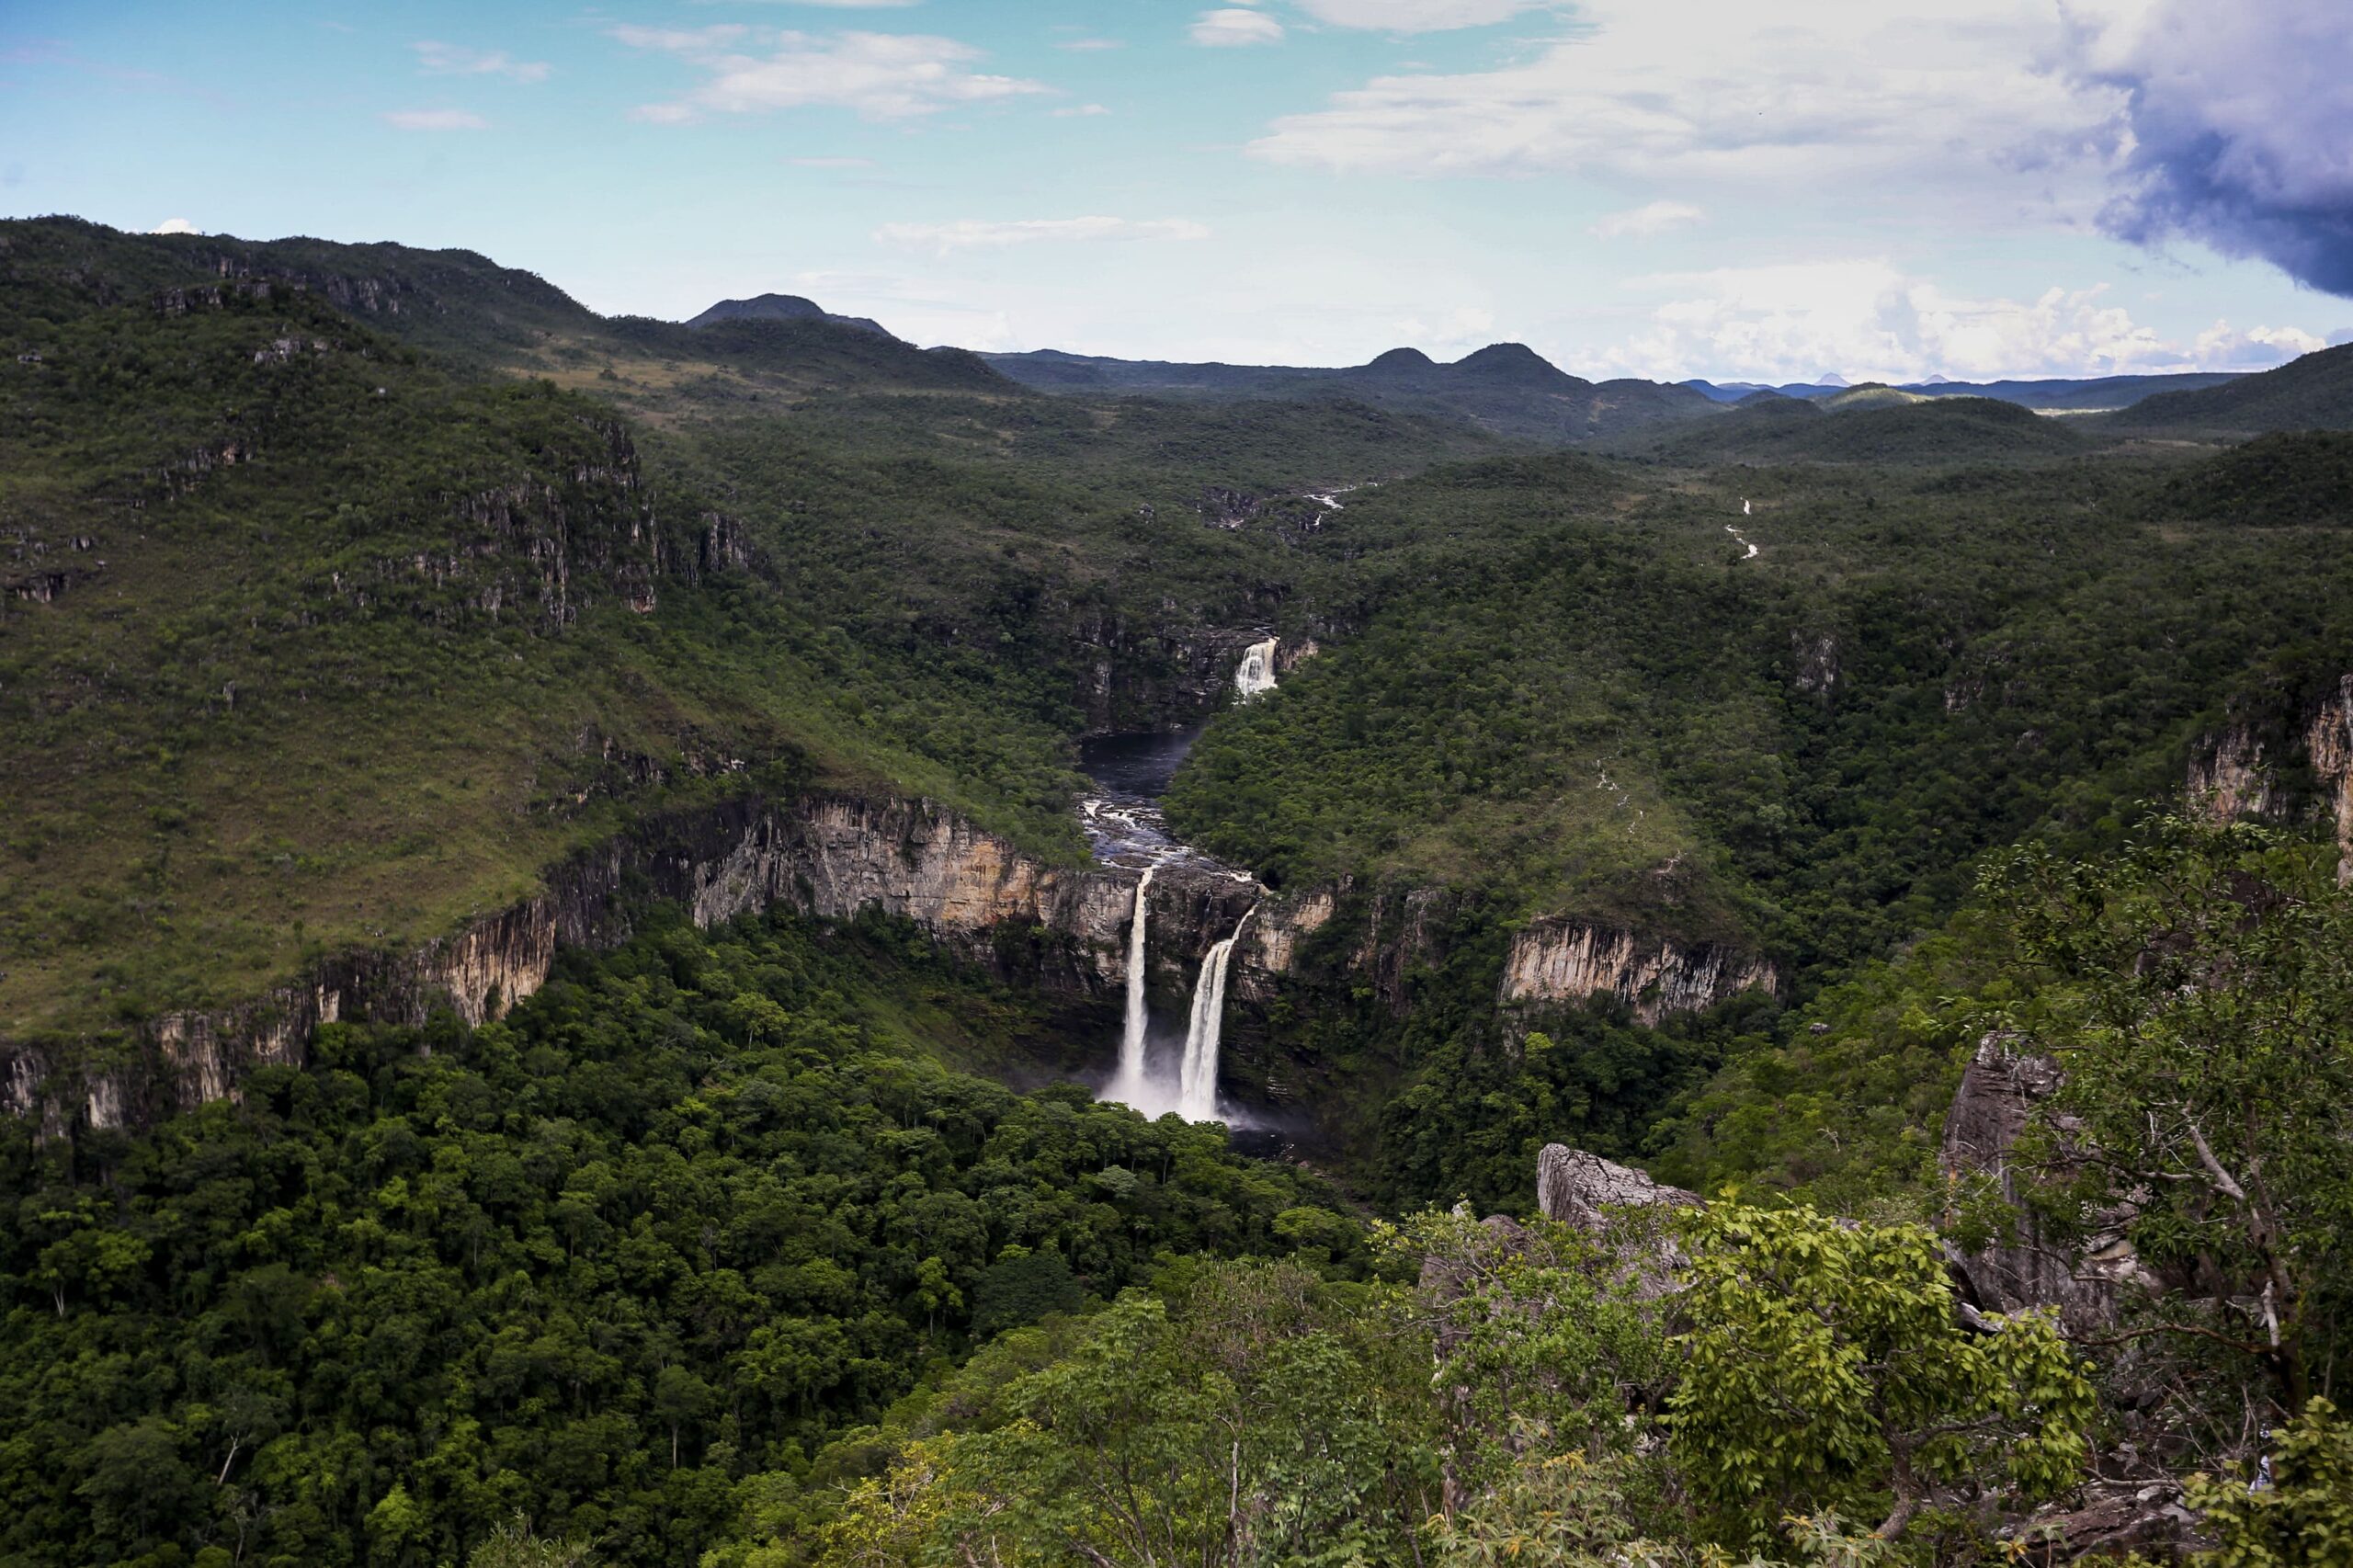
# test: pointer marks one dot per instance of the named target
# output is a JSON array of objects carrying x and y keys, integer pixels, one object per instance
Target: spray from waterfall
[
  {"x": 1197, "y": 1081},
  {"x": 1256, "y": 672},
  {"x": 1127, "y": 1085}
]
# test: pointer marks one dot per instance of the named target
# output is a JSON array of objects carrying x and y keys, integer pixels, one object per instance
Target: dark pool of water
[{"x": 1136, "y": 766}]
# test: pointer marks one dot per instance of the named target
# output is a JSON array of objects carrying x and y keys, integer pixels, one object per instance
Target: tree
[
  {"x": 2301, "y": 1514},
  {"x": 2197, "y": 994},
  {"x": 1826, "y": 1365}
]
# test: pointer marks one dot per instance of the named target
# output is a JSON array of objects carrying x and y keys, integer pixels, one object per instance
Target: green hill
[
  {"x": 2299, "y": 478},
  {"x": 2313, "y": 392},
  {"x": 1906, "y": 431}
]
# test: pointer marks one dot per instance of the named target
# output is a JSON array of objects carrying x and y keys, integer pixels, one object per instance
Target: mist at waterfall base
[{"x": 1158, "y": 1071}]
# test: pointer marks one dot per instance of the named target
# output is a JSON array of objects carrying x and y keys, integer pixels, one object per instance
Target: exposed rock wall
[
  {"x": 2083, "y": 1278},
  {"x": 2230, "y": 779},
  {"x": 2238, "y": 774},
  {"x": 1568, "y": 960},
  {"x": 826, "y": 855}
]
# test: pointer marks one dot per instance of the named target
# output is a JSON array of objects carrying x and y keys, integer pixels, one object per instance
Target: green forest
[{"x": 353, "y": 591}]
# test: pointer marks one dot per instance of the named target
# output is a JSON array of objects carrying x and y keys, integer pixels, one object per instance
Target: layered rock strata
[{"x": 1568, "y": 960}]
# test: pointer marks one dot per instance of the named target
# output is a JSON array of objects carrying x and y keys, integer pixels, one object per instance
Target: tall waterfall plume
[
  {"x": 1197, "y": 1081},
  {"x": 1127, "y": 1085},
  {"x": 1256, "y": 672}
]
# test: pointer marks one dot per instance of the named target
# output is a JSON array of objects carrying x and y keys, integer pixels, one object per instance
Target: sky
[{"x": 1739, "y": 189}]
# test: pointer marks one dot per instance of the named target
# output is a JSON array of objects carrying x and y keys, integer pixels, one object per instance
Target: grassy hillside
[
  {"x": 1879, "y": 425},
  {"x": 2312, "y": 393}
]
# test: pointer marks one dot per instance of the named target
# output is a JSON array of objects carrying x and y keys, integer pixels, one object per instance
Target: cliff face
[
  {"x": 831, "y": 854},
  {"x": 1568, "y": 960},
  {"x": 2085, "y": 1279},
  {"x": 2237, "y": 775}
]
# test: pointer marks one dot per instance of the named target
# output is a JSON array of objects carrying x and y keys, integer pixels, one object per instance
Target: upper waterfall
[{"x": 1256, "y": 672}]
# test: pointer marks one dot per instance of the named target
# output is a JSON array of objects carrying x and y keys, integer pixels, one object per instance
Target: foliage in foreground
[{"x": 656, "y": 1238}]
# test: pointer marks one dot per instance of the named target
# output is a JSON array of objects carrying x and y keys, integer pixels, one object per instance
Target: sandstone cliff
[
  {"x": 1568, "y": 960},
  {"x": 2294, "y": 766}
]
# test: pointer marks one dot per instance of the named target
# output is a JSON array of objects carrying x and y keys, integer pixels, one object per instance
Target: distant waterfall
[
  {"x": 1197, "y": 1083},
  {"x": 1256, "y": 672},
  {"x": 1127, "y": 1085}
]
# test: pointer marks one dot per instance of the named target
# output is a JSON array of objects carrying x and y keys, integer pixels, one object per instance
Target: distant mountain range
[
  {"x": 2082, "y": 395},
  {"x": 1509, "y": 390},
  {"x": 1506, "y": 389}
]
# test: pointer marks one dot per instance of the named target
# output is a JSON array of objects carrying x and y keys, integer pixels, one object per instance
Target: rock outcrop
[
  {"x": 1577, "y": 1188},
  {"x": 2084, "y": 1279},
  {"x": 835, "y": 856},
  {"x": 1568, "y": 960}
]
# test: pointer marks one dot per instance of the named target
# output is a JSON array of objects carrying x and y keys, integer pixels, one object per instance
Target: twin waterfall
[{"x": 1193, "y": 1094}]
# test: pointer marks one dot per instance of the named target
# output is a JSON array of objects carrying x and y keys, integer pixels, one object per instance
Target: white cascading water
[
  {"x": 1127, "y": 1085},
  {"x": 1256, "y": 672},
  {"x": 1197, "y": 1081}
]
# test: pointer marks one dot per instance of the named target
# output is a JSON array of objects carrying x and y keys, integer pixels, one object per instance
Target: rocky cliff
[
  {"x": 834, "y": 855},
  {"x": 2284, "y": 766},
  {"x": 1568, "y": 960},
  {"x": 2084, "y": 1278}
]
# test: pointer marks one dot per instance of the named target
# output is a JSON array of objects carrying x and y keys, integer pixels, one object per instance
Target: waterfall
[
  {"x": 1127, "y": 1084},
  {"x": 1256, "y": 672},
  {"x": 1197, "y": 1083}
]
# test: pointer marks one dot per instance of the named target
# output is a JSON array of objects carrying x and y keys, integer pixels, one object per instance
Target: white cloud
[
  {"x": 1761, "y": 96},
  {"x": 176, "y": 226},
  {"x": 1641, "y": 223},
  {"x": 1869, "y": 320},
  {"x": 1090, "y": 45},
  {"x": 1080, "y": 111},
  {"x": 450, "y": 59},
  {"x": 1233, "y": 27},
  {"x": 1417, "y": 16},
  {"x": 975, "y": 234},
  {"x": 436, "y": 119},
  {"x": 878, "y": 75},
  {"x": 2221, "y": 348}
]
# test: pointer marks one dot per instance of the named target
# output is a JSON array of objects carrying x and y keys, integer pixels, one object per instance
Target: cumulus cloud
[
  {"x": 1417, "y": 16},
  {"x": 1233, "y": 27},
  {"x": 876, "y": 76},
  {"x": 1641, "y": 223},
  {"x": 1726, "y": 90},
  {"x": 176, "y": 226},
  {"x": 1080, "y": 111},
  {"x": 2241, "y": 126},
  {"x": 1871, "y": 319},
  {"x": 436, "y": 119},
  {"x": 449, "y": 60},
  {"x": 2224, "y": 347},
  {"x": 975, "y": 234}
]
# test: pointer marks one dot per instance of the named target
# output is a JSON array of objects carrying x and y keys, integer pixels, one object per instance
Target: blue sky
[{"x": 1662, "y": 187}]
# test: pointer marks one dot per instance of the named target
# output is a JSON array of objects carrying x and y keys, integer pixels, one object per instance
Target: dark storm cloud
[{"x": 2240, "y": 122}]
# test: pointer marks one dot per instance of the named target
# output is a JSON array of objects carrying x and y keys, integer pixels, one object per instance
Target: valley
[{"x": 721, "y": 936}]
